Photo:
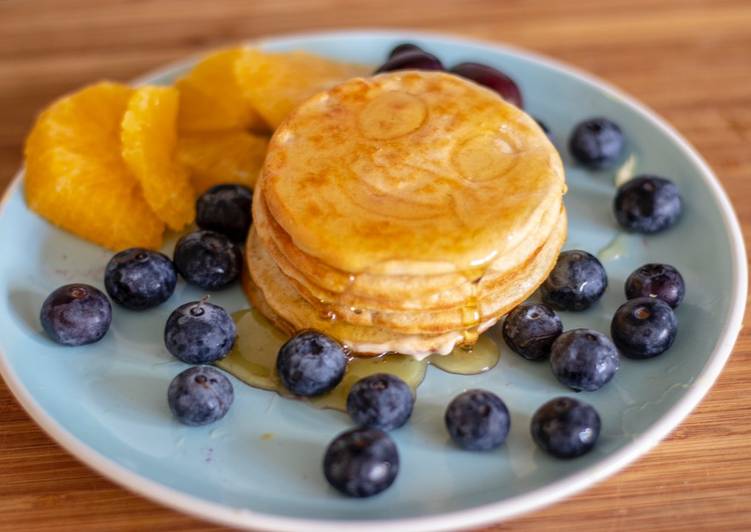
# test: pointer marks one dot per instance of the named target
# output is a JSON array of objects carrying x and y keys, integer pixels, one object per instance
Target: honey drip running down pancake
[{"x": 405, "y": 212}]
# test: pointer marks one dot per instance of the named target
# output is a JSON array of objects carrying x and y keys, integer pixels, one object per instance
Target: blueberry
[
  {"x": 531, "y": 329},
  {"x": 76, "y": 314},
  {"x": 199, "y": 333},
  {"x": 477, "y": 420},
  {"x": 577, "y": 281},
  {"x": 412, "y": 60},
  {"x": 662, "y": 281},
  {"x": 565, "y": 427},
  {"x": 310, "y": 363},
  {"x": 648, "y": 204},
  {"x": 207, "y": 259},
  {"x": 381, "y": 400},
  {"x": 139, "y": 279},
  {"x": 226, "y": 210},
  {"x": 644, "y": 327},
  {"x": 584, "y": 359},
  {"x": 597, "y": 143},
  {"x": 200, "y": 395},
  {"x": 404, "y": 47},
  {"x": 361, "y": 462},
  {"x": 493, "y": 79}
]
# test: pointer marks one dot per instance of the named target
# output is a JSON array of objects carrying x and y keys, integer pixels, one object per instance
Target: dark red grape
[
  {"x": 404, "y": 47},
  {"x": 414, "y": 60},
  {"x": 493, "y": 79}
]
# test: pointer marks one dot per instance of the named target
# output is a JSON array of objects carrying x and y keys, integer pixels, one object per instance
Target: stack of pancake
[{"x": 405, "y": 213}]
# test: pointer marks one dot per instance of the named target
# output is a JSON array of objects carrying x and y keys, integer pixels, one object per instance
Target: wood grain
[{"x": 690, "y": 60}]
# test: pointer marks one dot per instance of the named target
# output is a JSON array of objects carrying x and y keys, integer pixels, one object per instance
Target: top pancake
[{"x": 416, "y": 173}]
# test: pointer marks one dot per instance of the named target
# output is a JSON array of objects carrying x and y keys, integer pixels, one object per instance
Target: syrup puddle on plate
[
  {"x": 253, "y": 361},
  {"x": 621, "y": 246},
  {"x": 625, "y": 172},
  {"x": 483, "y": 357},
  {"x": 614, "y": 250}
]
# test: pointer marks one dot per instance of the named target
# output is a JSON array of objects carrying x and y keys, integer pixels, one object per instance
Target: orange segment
[
  {"x": 149, "y": 138},
  {"x": 276, "y": 83},
  {"x": 75, "y": 176},
  {"x": 222, "y": 157},
  {"x": 211, "y": 99}
]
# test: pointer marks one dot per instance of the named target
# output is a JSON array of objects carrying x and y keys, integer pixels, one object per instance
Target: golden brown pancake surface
[{"x": 413, "y": 173}]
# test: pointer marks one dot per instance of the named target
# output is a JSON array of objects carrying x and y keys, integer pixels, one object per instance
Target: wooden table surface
[{"x": 688, "y": 60}]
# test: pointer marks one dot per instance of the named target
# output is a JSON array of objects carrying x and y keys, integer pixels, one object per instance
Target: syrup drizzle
[
  {"x": 471, "y": 316},
  {"x": 253, "y": 361},
  {"x": 481, "y": 358}
]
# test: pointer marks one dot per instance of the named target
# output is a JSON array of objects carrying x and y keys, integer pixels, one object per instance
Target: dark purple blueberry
[
  {"x": 411, "y": 60},
  {"x": 565, "y": 427},
  {"x": 361, "y": 462},
  {"x": 648, "y": 204},
  {"x": 76, "y": 314},
  {"x": 493, "y": 79},
  {"x": 477, "y": 420},
  {"x": 644, "y": 327},
  {"x": 662, "y": 281},
  {"x": 577, "y": 281},
  {"x": 584, "y": 359},
  {"x": 404, "y": 47},
  {"x": 199, "y": 333},
  {"x": 381, "y": 400},
  {"x": 208, "y": 259},
  {"x": 597, "y": 143},
  {"x": 311, "y": 363},
  {"x": 226, "y": 210},
  {"x": 139, "y": 279},
  {"x": 531, "y": 329},
  {"x": 200, "y": 395}
]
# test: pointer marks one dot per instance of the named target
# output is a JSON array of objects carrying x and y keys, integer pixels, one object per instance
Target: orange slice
[
  {"x": 149, "y": 138},
  {"x": 276, "y": 83},
  {"x": 211, "y": 99},
  {"x": 76, "y": 178},
  {"x": 214, "y": 158}
]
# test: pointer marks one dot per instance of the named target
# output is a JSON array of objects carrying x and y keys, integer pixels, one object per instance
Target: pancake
[
  {"x": 406, "y": 213},
  {"x": 324, "y": 284},
  {"x": 287, "y": 304},
  {"x": 409, "y": 173}
]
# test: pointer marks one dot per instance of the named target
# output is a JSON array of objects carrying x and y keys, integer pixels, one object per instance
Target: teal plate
[{"x": 105, "y": 403}]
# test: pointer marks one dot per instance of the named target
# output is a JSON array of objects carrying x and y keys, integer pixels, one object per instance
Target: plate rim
[{"x": 483, "y": 514}]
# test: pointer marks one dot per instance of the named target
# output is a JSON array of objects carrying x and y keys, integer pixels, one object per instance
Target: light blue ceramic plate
[{"x": 106, "y": 404}]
